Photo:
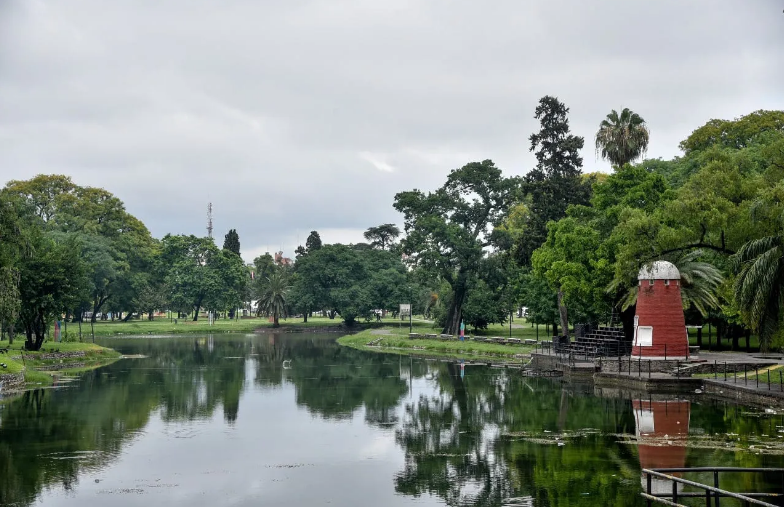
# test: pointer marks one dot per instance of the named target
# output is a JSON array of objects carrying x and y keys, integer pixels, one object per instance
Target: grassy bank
[
  {"x": 54, "y": 359},
  {"x": 394, "y": 339},
  {"x": 161, "y": 326}
]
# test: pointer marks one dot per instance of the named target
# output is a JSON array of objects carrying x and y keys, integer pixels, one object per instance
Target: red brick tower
[{"x": 659, "y": 325}]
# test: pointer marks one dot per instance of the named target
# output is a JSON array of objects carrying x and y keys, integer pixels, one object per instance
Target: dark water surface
[{"x": 296, "y": 420}]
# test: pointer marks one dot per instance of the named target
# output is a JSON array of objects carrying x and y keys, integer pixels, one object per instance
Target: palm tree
[
  {"x": 273, "y": 297},
  {"x": 759, "y": 288},
  {"x": 622, "y": 138},
  {"x": 700, "y": 282}
]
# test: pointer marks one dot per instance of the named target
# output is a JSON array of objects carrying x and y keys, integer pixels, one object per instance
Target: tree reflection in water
[{"x": 479, "y": 439}]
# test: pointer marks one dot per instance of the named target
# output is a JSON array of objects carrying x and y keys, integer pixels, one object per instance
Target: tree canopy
[{"x": 447, "y": 230}]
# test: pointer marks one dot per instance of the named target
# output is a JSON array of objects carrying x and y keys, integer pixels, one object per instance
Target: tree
[
  {"x": 313, "y": 242},
  {"x": 622, "y": 138},
  {"x": 273, "y": 299},
  {"x": 13, "y": 246},
  {"x": 448, "y": 229},
  {"x": 574, "y": 264},
  {"x": 231, "y": 242},
  {"x": 759, "y": 287},
  {"x": 116, "y": 244},
  {"x": 52, "y": 280},
  {"x": 351, "y": 282},
  {"x": 488, "y": 300},
  {"x": 735, "y": 134},
  {"x": 192, "y": 275},
  {"x": 556, "y": 182},
  {"x": 382, "y": 236}
]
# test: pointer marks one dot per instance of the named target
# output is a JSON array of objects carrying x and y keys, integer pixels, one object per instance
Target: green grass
[
  {"x": 750, "y": 375},
  {"x": 34, "y": 377},
  {"x": 161, "y": 326},
  {"x": 48, "y": 347},
  {"x": 13, "y": 366},
  {"x": 726, "y": 343},
  {"x": 18, "y": 359},
  {"x": 397, "y": 341}
]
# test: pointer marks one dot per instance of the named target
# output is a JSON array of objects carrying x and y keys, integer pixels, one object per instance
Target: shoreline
[
  {"x": 24, "y": 370},
  {"x": 385, "y": 341}
]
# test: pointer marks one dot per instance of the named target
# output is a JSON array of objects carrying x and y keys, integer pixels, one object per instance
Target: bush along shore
[
  {"x": 21, "y": 369},
  {"x": 425, "y": 342}
]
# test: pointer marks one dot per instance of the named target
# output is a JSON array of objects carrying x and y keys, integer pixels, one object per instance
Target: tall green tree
[
  {"x": 556, "y": 182},
  {"x": 273, "y": 299},
  {"x": 448, "y": 230},
  {"x": 199, "y": 275},
  {"x": 231, "y": 241},
  {"x": 115, "y": 244},
  {"x": 13, "y": 246},
  {"x": 622, "y": 138},
  {"x": 313, "y": 242},
  {"x": 382, "y": 236},
  {"x": 52, "y": 280}
]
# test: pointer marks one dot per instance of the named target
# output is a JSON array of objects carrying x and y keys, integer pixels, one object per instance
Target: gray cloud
[{"x": 301, "y": 115}]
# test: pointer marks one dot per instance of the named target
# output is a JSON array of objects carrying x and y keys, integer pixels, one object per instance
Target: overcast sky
[{"x": 294, "y": 115}]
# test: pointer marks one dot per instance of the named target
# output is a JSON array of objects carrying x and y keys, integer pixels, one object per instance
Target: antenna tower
[{"x": 209, "y": 220}]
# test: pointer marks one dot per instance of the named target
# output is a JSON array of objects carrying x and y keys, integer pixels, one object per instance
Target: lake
[{"x": 297, "y": 420}]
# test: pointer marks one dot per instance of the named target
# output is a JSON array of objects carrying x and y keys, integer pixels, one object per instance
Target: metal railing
[{"x": 711, "y": 494}]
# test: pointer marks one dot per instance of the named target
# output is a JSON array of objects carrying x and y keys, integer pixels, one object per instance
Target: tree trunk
[
  {"x": 563, "y": 313},
  {"x": 305, "y": 314},
  {"x": 97, "y": 305},
  {"x": 39, "y": 330},
  {"x": 275, "y": 320},
  {"x": 28, "y": 336},
  {"x": 453, "y": 317},
  {"x": 196, "y": 307}
]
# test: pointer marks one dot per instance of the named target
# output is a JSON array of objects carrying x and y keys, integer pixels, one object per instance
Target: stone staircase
[{"x": 604, "y": 341}]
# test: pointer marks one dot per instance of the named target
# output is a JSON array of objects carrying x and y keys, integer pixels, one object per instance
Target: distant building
[{"x": 282, "y": 261}]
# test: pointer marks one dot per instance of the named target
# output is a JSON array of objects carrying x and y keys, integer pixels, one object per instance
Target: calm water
[{"x": 225, "y": 421}]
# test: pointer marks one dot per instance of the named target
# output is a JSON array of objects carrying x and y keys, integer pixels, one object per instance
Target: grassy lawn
[
  {"x": 161, "y": 326},
  {"x": 34, "y": 362},
  {"x": 726, "y": 344},
  {"x": 11, "y": 365},
  {"x": 396, "y": 340},
  {"x": 750, "y": 374}
]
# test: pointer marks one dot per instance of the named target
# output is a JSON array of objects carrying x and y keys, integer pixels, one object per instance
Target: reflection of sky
[{"x": 276, "y": 453}]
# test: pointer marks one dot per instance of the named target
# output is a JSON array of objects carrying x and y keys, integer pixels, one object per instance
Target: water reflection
[
  {"x": 244, "y": 415},
  {"x": 662, "y": 429}
]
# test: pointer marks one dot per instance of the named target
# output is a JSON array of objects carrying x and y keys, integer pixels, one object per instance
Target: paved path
[{"x": 740, "y": 357}]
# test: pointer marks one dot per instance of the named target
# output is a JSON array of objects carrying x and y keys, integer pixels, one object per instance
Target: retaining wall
[{"x": 11, "y": 381}]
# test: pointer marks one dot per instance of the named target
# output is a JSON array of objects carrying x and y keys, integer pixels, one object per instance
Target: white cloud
[{"x": 377, "y": 162}]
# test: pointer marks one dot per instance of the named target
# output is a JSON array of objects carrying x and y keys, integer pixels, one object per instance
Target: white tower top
[{"x": 659, "y": 270}]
